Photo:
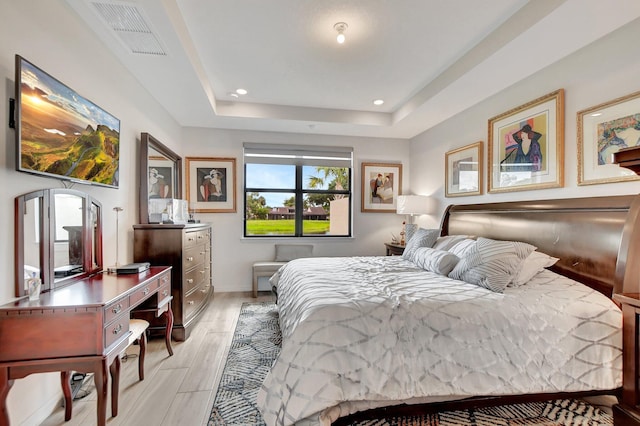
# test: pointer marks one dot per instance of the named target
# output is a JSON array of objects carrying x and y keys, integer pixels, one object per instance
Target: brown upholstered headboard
[{"x": 593, "y": 237}]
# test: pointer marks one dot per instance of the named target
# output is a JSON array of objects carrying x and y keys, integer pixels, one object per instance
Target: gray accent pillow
[
  {"x": 491, "y": 263},
  {"x": 438, "y": 261},
  {"x": 287, "y": 252},
  {"x": 421, "y": 238}
]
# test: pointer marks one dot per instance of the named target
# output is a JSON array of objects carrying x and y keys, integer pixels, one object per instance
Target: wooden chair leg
[{"x": 142, "y": 341}]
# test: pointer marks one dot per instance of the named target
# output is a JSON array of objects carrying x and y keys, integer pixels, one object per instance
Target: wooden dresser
[
  {"x": 187, "y": 249},
  {"x": 82, "y": 327}
]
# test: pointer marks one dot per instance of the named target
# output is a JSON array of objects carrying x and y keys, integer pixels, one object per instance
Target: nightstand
[
  {"x": 394, "y": 249},
  {"x": 628, "y": 412}
]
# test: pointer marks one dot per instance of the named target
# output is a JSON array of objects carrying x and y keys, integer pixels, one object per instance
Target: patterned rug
[{"x": 256, "y": 343}]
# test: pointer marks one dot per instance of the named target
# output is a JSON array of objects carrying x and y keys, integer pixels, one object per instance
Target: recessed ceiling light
[
  {"x": 378, "y": 102},
  {"x": 241, "y": 91},
  {"x": 340, "y": 27}
]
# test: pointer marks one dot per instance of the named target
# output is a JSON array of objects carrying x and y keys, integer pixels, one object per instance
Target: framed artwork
[
  {"x": 463, "y": 171},
  {"x": 160, "y": 177},
  {"x": 211, "y": 184},
  {"x": 381, "y": 183},
  {"x": 526, "y": 146},
  {"x": 603, "y": 130}
]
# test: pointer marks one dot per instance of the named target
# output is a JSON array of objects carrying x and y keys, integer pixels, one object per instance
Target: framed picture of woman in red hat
[
  {"x": 526, "y": 146},
  {"x": 211, "y": 184}
]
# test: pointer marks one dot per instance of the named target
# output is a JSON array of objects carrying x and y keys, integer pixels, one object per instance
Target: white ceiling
[{"x": 428, "y": 59}]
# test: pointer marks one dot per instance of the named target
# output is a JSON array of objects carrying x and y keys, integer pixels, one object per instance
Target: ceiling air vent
[{"x": 130, "y": 27}]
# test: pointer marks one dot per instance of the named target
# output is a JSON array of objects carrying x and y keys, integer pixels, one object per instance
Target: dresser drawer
[
  {"x": 195, "y": 300},
  {"x": 116, "y": 330},
  {"x": 193, "y": 256},
  {"x": 193, "y": 279},
  {"x": 114, "y": 309},
  {"x": 143, "y": 292},
  {"x": 190, "y": 239},
  {"x": 204, "y": 237}
]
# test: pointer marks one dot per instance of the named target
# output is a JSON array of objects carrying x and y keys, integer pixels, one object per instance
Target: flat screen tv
[{"x": 61, "y": 134}]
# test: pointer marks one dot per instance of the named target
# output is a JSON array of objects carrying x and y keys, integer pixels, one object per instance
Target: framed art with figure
[
  {"x": 463, "y": 171},
  {"x": 381, "y": 185},
  {"x": 211, "y": 184},
  {"x": 602, "y": 131},
  {"x": 526, "y": 146}
]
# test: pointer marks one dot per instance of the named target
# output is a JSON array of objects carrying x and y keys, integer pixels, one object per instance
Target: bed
[{"x": 368, "y": 334}]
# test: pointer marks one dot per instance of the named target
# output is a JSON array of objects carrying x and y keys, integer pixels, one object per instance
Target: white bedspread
[{"x": 378, "y": 329}]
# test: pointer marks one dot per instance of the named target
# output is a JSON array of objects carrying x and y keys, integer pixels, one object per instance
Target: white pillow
[
  {"x": 421, "y": 238},
  {"x": 448, "y": 241},
  {"x": 491, "y": 263},
  {"x": 461, "y": 248},
  {"x": 531, "y": 266},
  {"x": 438, "y": 261}
]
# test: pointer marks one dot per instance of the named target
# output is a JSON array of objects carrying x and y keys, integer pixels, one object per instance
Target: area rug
[{"x": 256, "y": 343}]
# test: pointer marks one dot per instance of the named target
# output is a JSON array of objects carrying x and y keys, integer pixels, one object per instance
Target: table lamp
[{"x": 412, "y": 205}]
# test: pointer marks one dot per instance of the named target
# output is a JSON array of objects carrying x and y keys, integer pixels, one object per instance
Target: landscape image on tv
[{"x": 62, "y": 133}]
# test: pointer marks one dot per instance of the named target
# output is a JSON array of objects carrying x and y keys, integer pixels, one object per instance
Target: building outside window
[{"x": 297, "y": 191}]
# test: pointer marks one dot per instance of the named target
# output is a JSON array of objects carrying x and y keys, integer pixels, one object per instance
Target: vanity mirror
[
  {"x": 61, "y": 246},
  {"x": 160, "y": 173}
]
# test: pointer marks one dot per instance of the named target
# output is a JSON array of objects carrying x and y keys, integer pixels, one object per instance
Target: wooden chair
[{"x": 138, "y": 328}]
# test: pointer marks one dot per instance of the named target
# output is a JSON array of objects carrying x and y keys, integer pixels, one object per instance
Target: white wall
[
  {"x": 606, "y": 70},
  {"x": 233, "y": 254},
  {"x": 49, "y": 34}
]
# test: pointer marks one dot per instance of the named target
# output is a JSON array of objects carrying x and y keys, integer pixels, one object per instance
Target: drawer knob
[
  {"x": 118, "y": 329},
  {"x": 204, "y": 290},
  {"x": 190, "y": 258},
  {"x": 190, "y": 280},
  {"x": 116, "y": 309},
  {"x": 202, "y": 272},
  {"x": 165, "y": 293},
  {"x": 191, "y": 302},
  {"x": 145, "y": 291}
]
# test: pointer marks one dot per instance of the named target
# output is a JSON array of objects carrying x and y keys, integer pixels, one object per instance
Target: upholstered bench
[{"x": 284, "y": 253}]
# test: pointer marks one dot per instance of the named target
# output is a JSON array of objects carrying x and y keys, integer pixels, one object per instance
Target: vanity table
[{"x": 83, "y": 327}]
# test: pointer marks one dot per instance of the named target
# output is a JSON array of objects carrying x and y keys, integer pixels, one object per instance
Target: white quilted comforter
[{"x": 361, "y": 332}]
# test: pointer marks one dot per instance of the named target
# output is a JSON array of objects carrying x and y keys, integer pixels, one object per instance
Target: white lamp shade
[{"x": 412, "y": 204}]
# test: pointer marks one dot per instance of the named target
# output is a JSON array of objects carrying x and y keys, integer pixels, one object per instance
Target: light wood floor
[{"x": 177, "y": 390}]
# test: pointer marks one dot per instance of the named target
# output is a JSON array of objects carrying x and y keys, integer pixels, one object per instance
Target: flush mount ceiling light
[
  {"x": 241, "y": 91},
  {"x": 378, "y": 102},
  {"x": 340, "y": 27}
]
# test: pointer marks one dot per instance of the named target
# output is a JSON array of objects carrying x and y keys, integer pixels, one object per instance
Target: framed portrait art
[
  {"x": 211, "y": 184},
  {"x": 463, "y": 171},
  {"x": 381, "y": 184},
  {"x": 602, "y": 131},
  {"x": 526, "y": 146}
]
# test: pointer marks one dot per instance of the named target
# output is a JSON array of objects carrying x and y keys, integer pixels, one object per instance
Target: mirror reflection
[
  {"x": 32, "y": 218},
  {"x": 68, "y": 235},
  {"x": 160, "y": 173},
  {"x": 59, "y": 247}
]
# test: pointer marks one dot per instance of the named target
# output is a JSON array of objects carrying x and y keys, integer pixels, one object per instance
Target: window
[{"x": 294, "y": 191}]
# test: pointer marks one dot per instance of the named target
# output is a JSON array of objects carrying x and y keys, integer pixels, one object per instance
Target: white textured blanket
[{"x": 360, "y": 332}]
